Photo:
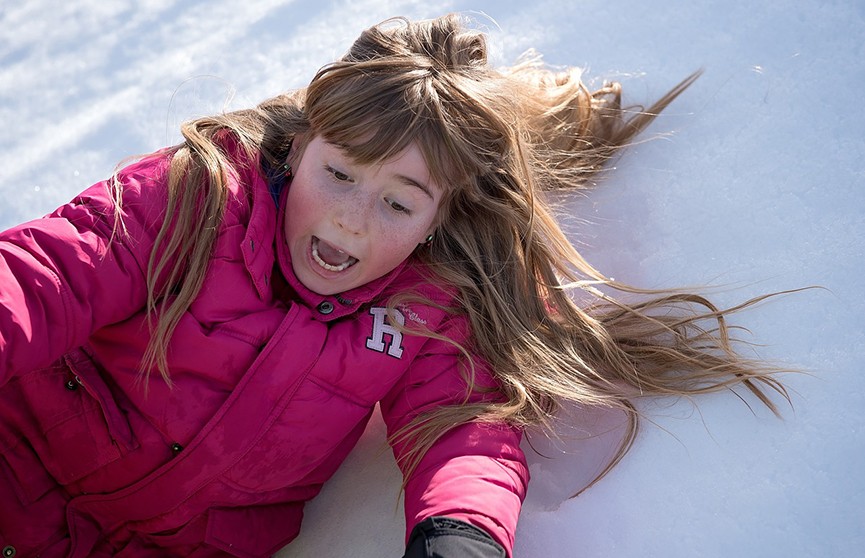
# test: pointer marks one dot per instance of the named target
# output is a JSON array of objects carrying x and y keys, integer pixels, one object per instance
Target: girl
[{"x": 190, "y": 349}]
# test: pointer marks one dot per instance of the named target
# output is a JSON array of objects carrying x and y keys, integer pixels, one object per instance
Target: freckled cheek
[
  {"x": 307, "y": 206},
  {"x": 401, "y": 240}
]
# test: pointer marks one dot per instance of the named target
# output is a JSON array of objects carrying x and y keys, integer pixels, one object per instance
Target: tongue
[{"x": 331, "y": 255}]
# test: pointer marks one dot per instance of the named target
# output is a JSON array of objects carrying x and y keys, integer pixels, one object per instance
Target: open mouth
[{"x": 330, "y": 257}]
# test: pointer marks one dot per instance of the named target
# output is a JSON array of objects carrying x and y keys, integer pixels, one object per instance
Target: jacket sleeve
[
  {"x": 65, "y": 275},
  {"x": 475, "y": 472}
]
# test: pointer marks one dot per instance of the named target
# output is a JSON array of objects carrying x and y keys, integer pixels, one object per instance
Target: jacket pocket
[
  {"x": 255, "y": 531},
  {"x": 67, "y": 415}
]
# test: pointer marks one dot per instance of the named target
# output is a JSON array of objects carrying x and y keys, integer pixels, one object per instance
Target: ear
[{"x": 298, "y": 146}]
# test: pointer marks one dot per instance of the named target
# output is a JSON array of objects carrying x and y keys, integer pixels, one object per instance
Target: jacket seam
[{"x": 333, "y": 390}]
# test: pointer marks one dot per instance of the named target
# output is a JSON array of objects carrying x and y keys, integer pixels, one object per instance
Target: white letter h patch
[{"x": 380, "y": 328}]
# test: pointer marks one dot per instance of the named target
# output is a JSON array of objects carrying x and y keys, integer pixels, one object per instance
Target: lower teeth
[{"x": 341, "y": 267}]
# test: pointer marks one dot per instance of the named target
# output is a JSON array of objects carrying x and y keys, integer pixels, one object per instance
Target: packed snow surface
[{"x": 752, "y": 182}]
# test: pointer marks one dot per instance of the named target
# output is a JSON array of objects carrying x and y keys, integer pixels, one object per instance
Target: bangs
[{"x": 375, "y": 111}]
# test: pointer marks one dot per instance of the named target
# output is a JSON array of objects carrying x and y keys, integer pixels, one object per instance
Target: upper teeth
[{"x": 341, "y": 267}]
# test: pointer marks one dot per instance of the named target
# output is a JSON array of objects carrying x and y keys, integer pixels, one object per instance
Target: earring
[
  {"x": 429, "y": 239},
  {"x": 286, "y": 170}
]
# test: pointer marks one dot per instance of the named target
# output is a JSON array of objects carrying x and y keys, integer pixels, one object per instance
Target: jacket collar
[{"x": 257, "y": 248}]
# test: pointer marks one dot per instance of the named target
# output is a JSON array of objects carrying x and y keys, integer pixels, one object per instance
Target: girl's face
[{"x": 348, "y": 224}]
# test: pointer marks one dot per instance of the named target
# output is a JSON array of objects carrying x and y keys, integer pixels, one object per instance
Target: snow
[{"x": 753, "y": 183}]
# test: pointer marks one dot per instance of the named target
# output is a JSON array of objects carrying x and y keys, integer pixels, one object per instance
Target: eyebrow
[{"x": 412, "y": 182}]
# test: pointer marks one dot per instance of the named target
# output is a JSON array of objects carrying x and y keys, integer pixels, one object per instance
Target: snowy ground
[{"x": 759, "y": 187}]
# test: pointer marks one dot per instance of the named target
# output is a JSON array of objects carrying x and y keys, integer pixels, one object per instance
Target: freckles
[
  {"x": 399, "y": 240},
  {"x": 390, "y": 235},
  {"x": 408, "y": 233}
]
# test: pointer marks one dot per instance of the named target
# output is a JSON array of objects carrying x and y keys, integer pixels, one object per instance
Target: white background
[{"x": 754, "y": 184}]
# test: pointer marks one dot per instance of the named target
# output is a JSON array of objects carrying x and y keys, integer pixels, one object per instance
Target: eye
[
  {"x": 398, "y": 207},
  {"x": 338, "y": 175}
]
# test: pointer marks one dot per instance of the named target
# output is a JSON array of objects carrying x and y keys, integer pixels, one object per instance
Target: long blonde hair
[{"x": 498, "y": 139}]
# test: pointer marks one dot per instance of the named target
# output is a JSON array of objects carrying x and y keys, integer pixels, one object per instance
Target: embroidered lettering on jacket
[
  {"x": 380, "y": 328},
  {"x": 412, "y": 315}
]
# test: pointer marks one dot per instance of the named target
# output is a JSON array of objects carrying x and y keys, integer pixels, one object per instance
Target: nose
[{"x": 353, "y": 213}]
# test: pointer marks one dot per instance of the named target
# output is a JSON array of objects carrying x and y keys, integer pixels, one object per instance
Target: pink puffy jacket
[{"x": 274, "y": 385}]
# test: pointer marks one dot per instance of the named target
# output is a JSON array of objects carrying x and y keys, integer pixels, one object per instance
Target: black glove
[{"x": 443, "y": 537}]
